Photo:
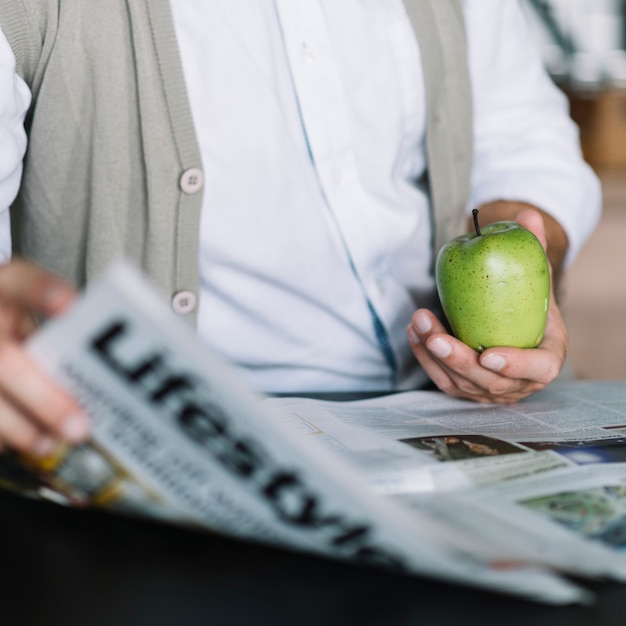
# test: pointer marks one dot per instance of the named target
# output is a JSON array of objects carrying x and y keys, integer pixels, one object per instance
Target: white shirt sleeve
[
  {"x": 526, "y": 146},
  {"x": 15, "y": 98}
]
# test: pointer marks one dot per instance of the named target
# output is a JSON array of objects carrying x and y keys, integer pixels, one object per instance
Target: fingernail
[
  {"x": 413, "y": 336},
  {"x": 422, "y": 323},
  {"x": 75, "y": 428},
  {"x": 440, "y": 348},
  {"x": 44, "y": 446},
  {"x": 494, "y": 362}
]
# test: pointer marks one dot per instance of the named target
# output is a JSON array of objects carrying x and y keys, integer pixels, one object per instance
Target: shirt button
[
  {"x": 184, "y": 302},
  {"x": 192, "y": 180}
]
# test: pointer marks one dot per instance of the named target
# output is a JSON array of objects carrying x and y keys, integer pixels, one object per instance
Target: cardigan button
[
  {"x": 184, "y": 302},
  {"x": 192, "y": 180}
]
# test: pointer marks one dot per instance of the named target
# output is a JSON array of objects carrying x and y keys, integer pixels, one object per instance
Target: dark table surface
[{"x": 88, "y": 568}]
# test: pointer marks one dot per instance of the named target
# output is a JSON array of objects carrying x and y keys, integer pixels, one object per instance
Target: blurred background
[{"x": 584, "y": 47}]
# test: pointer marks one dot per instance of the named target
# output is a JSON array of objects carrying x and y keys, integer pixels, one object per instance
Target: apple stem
[{"x": 476, "y": 226}]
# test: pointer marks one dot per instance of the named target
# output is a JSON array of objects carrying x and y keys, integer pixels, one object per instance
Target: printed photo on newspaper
[{"x": 505, "y": 499}]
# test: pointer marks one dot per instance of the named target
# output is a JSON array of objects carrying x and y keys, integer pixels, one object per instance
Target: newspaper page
[
  {"x": 176, "y": 435},
  {"x": 544, "y": 479}
]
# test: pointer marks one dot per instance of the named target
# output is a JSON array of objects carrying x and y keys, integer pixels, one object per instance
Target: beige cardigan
[{"x": 113, "y": 166}]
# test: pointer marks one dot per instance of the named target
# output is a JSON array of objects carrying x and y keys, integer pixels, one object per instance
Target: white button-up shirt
[{"x": 310, "y": 117}]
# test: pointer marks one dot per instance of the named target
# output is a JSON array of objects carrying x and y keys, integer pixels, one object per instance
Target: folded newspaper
[{"x": 510, "y": 499}]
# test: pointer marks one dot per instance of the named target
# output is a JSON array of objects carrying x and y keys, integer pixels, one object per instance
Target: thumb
[{"x": 533, "y": 221}]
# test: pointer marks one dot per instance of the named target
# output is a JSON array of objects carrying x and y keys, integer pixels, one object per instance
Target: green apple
[{"x": 494, "y": 286}]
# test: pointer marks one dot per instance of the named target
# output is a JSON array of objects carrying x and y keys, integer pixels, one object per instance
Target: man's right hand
[{"x": 34, "y": 412}]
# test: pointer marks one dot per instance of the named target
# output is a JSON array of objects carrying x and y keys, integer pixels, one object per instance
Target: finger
[
  {"x": 433, "y": 368},
  {"x": 19, "y": 433},
  {"x": 449, "y": 363},
  {"x": 469, "y": 382},
  {"x": 455, "y": 368},
  {"x": 31, "y": 392},
  {"x": 425, "y": 323},
  {"x": 463, "y": 377},
  {"x": 441, "y": 348},
  {"x": 26, "y": 285},
  {"x": 542, "y": 364},
  {"x": 459, "y": 385},
  {"x": 467, "y": 373},
  {"x": 435, "y": 350},
  {"x": 532, "y": 221},
  {"x": 15, "y": 322}
]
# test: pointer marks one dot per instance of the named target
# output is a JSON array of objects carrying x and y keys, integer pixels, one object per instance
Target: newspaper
[
  {"x": 542, "y": 480},
  {"x": 177, "y": 436}
]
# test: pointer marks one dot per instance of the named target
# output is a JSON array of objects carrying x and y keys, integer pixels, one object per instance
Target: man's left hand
[{"x": 499, "y": 374}]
